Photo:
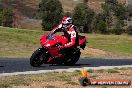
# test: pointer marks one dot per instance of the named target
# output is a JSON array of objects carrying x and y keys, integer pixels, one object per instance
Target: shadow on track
[
  {"x": 20, "y": 65},
  {"x": 96, "y": 62}
]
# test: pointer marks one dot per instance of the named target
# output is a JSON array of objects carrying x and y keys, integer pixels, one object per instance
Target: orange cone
[{"x": 84, "y": 73}]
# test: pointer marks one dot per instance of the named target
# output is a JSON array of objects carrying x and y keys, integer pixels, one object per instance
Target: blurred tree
[
  {"x": 83, "y": 17},
  {"x": 129, "y": 30},
  {"x": 118, "y": 29},
  {"x": 120, "y": 11},
  {"x": 0, "y": 16},
  {"x": 85, "y": 1},
  {"x": 67, "y": 14},
  {"x": 112, "y": 16},
  {"x": 52, "y": 12},
  {"x": 7, "y": 17},
  {"x": 111, "y": 3},
  {"x": 100, "y": 24},
  {"x": 1, "y": 10}
]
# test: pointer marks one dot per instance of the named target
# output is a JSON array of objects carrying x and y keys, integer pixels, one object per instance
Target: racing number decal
[
  {"x": 73, "y": 37},
  {"x": 73, "y": 34}
]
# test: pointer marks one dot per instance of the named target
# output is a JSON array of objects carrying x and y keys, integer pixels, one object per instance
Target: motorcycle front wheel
[{"x": 38, "y": 57}]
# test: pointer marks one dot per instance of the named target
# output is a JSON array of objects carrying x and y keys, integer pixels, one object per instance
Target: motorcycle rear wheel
[{"x": 72, "y": 59}]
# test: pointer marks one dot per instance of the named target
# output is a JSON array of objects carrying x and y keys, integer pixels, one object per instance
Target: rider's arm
[
  {"x": 73, "y": 39},
  {"x": 57, "y": 28}
]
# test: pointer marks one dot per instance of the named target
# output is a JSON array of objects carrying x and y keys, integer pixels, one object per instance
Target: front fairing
[
  {"x": 50, "y": 39},
  {"x": 47, "y": 42}
]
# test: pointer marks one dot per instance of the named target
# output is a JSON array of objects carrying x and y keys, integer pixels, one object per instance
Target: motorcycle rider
[{"x": 69, "y": 32}]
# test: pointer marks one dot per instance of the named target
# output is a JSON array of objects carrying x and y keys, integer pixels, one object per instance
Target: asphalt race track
[{"x": 10, "y": 65}]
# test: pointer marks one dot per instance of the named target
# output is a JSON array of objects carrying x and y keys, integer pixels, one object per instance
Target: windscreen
[{"x": 50, "y": 36}]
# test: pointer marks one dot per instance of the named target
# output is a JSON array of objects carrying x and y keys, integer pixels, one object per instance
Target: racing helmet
[{"x": 66, "y": 22}]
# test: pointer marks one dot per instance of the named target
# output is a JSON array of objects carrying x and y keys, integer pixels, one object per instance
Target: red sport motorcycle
[{"x": 50, "y": 53}]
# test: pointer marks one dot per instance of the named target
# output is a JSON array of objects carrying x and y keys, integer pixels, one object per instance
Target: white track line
[{"x": 61, "y": 70}]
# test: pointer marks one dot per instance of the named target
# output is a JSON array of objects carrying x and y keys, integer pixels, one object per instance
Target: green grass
[
  {"x": 22, "y": 42},
  {"x": 66, "y": 77},
  {"x": 26, "y": 80},
  {"x": 18, "y": 42},
  {"x": 7, "y": 82},
  {"x": 117, "y": 44},
  {"x": 124, "y": 68},
  {"x": 90, "y": 70},
  {"x": 112, "y": 71},
  {"x": 72, "y": 83},
  {"x": 49, "y": 86}
]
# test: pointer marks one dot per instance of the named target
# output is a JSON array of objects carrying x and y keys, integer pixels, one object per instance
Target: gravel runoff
[{"x": 61, "y": 70}]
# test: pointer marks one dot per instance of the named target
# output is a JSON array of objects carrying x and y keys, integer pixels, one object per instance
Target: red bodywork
[{"x": 51, "y": 41}]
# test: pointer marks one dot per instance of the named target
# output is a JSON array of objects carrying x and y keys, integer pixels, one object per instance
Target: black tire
[
  {"x": 72, "y": 59},
  {"x": 84, "y": 81},
  {"x": 37, "y": 59}
]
